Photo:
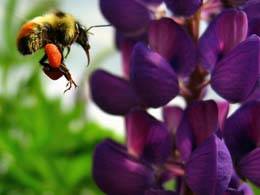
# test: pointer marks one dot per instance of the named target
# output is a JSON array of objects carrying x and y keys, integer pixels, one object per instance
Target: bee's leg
[
  {"x": 61, "y": 49},
  {"x": 46, "y": 66},
  {"x": 67, "y": 75},
  {"x": 43, "y": 61},
  {"x": 87, "y": 48},
  {"x": 68, "y": 51}
]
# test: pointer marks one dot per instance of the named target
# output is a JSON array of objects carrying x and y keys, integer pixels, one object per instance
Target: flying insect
[{"x": 59, "y": 29}]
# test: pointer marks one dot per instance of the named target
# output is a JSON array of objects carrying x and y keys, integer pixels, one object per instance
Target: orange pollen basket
[{"x": 53, "y": 54}]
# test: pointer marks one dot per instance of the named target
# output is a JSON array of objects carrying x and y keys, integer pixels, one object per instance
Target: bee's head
[
  {"x": 82, "y": 39},
  {"x": 30, "y": 38}
]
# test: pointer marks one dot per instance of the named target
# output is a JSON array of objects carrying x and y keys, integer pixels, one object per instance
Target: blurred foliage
[
  {"x": 44, "y": 148},
  {"x": 256, "y": 190}
]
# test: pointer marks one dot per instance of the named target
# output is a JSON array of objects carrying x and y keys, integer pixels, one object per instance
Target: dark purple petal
[
  {"x": 232, "y": 191},
  {"x": 183, "y": 7},
  {"x": 152, "y": 2},
  {"x": 249, "y": 166},
  {"x": 147, "y": 137},
  {"x": 222, "y": 35},
  {"x": 184, "y": 138},
  {"x": 172, "y": 116},
  {"x": 223, "y": 108},
  {"x": 128, "y": 16},
  {"x": 241, "y": 130},
  {"x": 255, "y": 95},
  {"x": 199, "y": 121},
  {"x": 126, "y": 52},
  {"x": 235, "y": 181},
  {"x": 203, "y": 119},
  {"x": 116, "y": 172},
  {"x": 235, "y": 76},
  {"x": 254, "y": 26},
  {"x": 126, "y": 47},
  {"x": 121, "y": 38},
  {"x": 209, "y": 169},
  {"x": 159, "y": 192},
  {"x": 252, "y": 8},
  {"x": 112, "y": 94},
  {"x": 152, "y": 77},
  {"x": 174, "y": 44}
]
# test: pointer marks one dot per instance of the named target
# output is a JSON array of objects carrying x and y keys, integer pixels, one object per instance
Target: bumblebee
[{"x": 58, "y": 28}]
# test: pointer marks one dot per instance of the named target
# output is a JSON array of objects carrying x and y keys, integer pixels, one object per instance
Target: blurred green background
[{"x": 46, "y": 144}]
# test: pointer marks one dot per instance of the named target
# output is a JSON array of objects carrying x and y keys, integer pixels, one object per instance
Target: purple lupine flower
[
  {"x": 124, "y": 97},
  {"x": 197, "y": 146},
  {"x": 224, "y": 33},
  {"x": 113, "y": 165},
  {"x": 148, "y": 143},
  {"x": 150, "y": 74},
  {"x": 205, "y": 155},
  {"x": 234, "y": 73},
  {"x": 172, "y": 42},
  {"x": 147, "y": 137},
  {"x": 136, "y": 16},
  {"x": 242, "y": 136}
]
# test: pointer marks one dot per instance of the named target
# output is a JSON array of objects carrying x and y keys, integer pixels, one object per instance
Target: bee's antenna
[{"x": 97, "y": 26}]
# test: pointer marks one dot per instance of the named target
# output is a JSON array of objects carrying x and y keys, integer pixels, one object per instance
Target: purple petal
[
  {"x": 126, "y": 47},
  {"x": 159, "y": 192},
  {"x": 116, "y": 172},
  {"x": 126, "y": 51},
  {"x": 203, "y": 119},
  {"x": 172, "y": 116},
  {"x": 184, "y": 138},
  {"x": 249, "y": 166},
  {"x": 223, "y": 109},
  {"x": 152, "y": 77},
  {"x": 174, "y": 44},
  {"x": 152, "y": 2},
  {"x": 235, "y": 181},
  {"x": 241, "y": 131},
  {"x": 210, "y": 168},
  {"x": 233, "y": 192},
  {"x": 254, "y": 26},
  {"x": 222, "y": 35},
  {"x": 243, "y": 189},
  {"x": 147, "y": 137},
  {"x": 183, "y": 7},
  {"x": 112, "y": 94},
  {"x": 255, "y": 95},
  {"x": 252, "y": 8},
  {"x": 235, "y": 77},
  {"x": 128, "y": 16},
  {"x": 246, "y": 189}
]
